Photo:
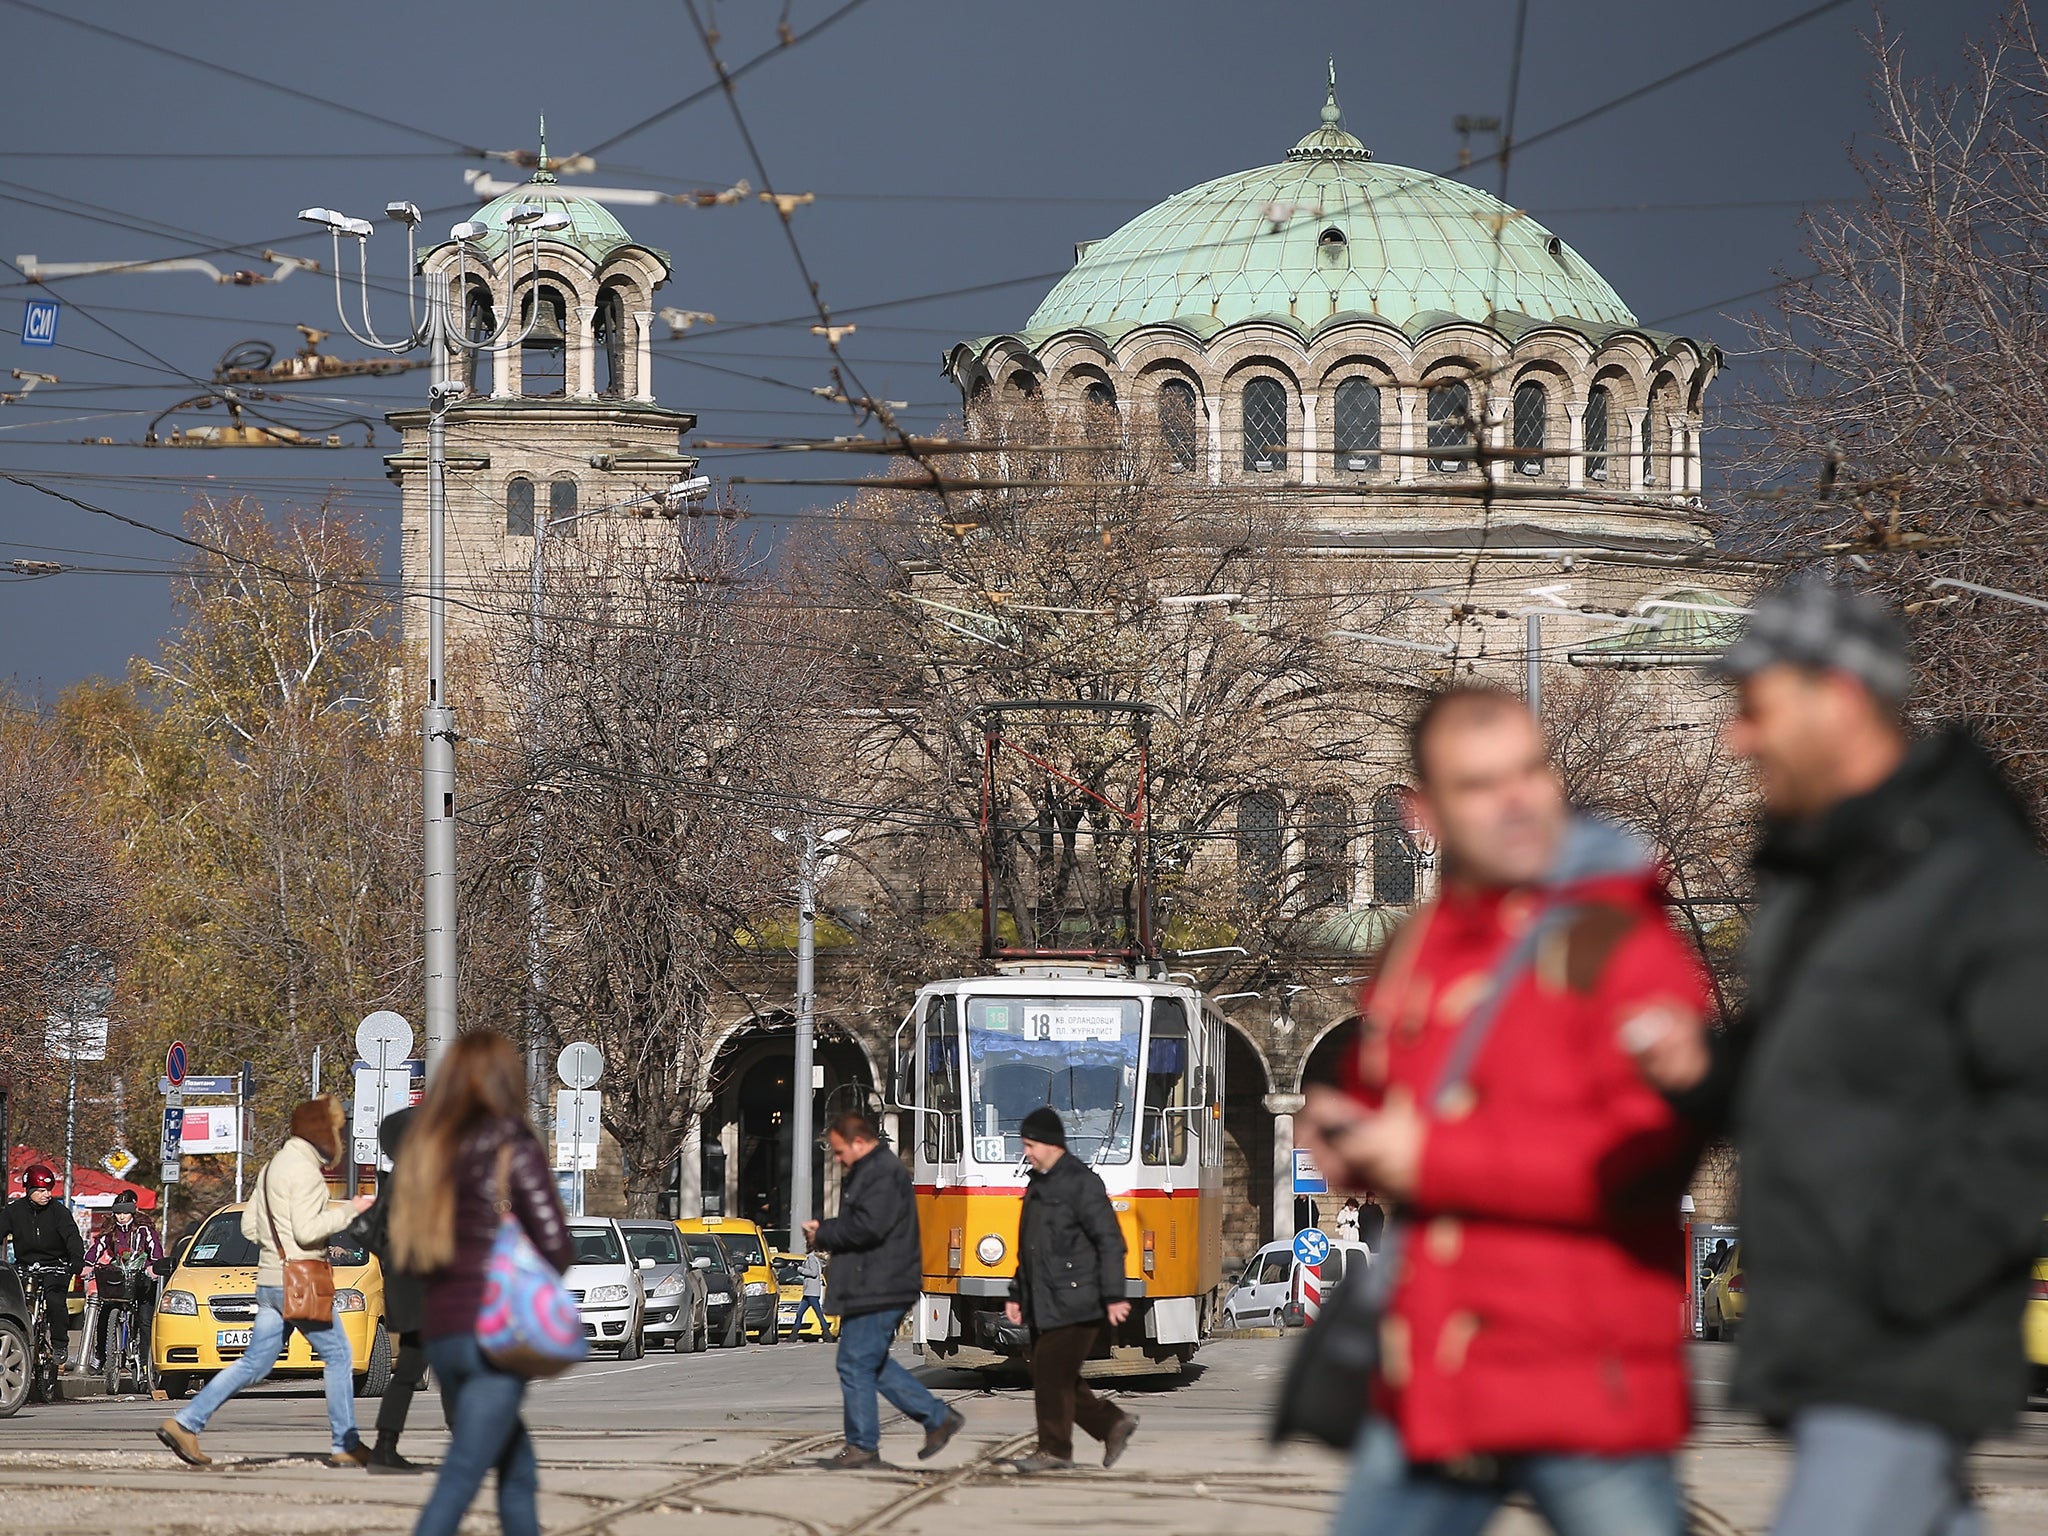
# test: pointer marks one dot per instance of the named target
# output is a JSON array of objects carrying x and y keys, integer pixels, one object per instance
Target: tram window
[
  {"x": 1077, "y": 1054},
  {"x": 941, "y": 1074},
  {"x": 1166, "y": 1084}
]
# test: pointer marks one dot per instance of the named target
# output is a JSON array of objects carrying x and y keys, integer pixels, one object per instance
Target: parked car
[
  {"x": 789, "y": 1297},
  {"x": 2035, "y": 1326},
  {"x": 742, "y": 1240},
  {"x": 1267, "y": 1294},
  {"x": 207, "y": 1310},
  {"x": 14, "y": 1346},
  {"x": 606, "y": 1285},
  {"x": 676, "y": 1314},
  {"x": 1722, "y": 1302},
  {"x": 722, "y": 1297}
]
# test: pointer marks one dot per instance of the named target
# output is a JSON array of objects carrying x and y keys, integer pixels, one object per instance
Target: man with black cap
[
  {"x": 1891, "y": 1074},
  {"x": 1070, "y": 1276}
]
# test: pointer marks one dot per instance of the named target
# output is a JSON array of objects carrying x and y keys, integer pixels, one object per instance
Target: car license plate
[
  {"x": 718, "y": 1298},
  {"x": 232, "y": 1338}
]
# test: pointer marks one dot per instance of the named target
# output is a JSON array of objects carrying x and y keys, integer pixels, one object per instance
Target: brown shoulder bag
[{"x": 308, "y": 1283}]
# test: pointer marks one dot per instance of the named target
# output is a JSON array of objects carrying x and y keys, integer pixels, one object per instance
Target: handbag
[
  {"x": 529, "y": 1324},
  {"x": 308, "y": 1283},
  {"x": 1327, "y": 1390}
]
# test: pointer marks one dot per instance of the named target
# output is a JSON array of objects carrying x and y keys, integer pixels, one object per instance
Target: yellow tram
[{"x": 1135, "y": 1068}]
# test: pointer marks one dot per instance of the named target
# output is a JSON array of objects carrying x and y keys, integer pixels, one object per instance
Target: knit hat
[
  {"x": 1043, "y": 1125},
  {"x": 1833, "y": 629}
]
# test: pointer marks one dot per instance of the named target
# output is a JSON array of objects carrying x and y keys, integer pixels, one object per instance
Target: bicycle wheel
[{"x": 114, "y": 1351}]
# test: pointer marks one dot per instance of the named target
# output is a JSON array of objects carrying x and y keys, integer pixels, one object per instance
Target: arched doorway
[
  {"x": 1325, "y": 1061},
  {"x": 1247, "y": 1147}
]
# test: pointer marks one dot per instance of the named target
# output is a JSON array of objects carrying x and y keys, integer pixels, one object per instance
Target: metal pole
[
  {"x": 240, "y": 1079},
  {"x": 70, "y": 1107},
  {"x": 806, "y": 1003},
  {"x": 438, "y": 720},
  {"x": 536, "y": 890},
  {"x": 1534, "y": 687}
]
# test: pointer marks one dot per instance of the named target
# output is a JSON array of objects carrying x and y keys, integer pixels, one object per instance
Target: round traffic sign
[
  {"x": 384, "y": 1039},
  {"x": 1311, "y": 1246},
  {"x": 580, "y": 1065},
  {"x": 174, "y": 1064}
]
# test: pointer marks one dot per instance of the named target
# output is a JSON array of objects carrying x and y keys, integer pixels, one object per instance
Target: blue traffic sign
[
  {"x": 39, "y": 322},
  {"x": 174, "y": 1133},
  {"x": 203, "y": 1087},
  {"x": 1308, "y": 1178},
  {"x": 174, "y": 1064},
  {"x": 1311, "y": 1246}
]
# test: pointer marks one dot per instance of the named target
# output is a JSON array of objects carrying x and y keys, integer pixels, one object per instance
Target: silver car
[{"x": 675, "y": 1312}]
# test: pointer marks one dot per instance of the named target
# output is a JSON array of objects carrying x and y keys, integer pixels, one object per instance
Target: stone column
[
  {"x": 1634, "y": 447},
  {"x": 1575, "y": 445},
  {"x": 643, "y": 354},
  {"x": 1283, "y": 1107},
  {"x": 581, "y": 383},
  {"x": 1215, "y": 404},
  {"x": 1404, "y": 407},
  {"x": 505, "y": 380},
  {"x": 729, "y": 1139},
  {"x": 690, "y": 1184},
  {"x": 1309, "y": 456},
  {"x": 1495, "y": 426}
]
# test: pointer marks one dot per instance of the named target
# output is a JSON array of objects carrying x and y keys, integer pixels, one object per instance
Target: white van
[{"x": 1268, "y": 1293}]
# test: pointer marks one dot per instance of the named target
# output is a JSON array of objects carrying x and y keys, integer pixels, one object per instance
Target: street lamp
[
  {"x": 432, "y": 326},
  {"x": 814, "y": 862}
]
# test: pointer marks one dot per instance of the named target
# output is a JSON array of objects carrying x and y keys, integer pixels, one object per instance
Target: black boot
[{"x": 384, "y": 1455}]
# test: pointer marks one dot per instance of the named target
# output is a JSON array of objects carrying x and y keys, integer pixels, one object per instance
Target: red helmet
[{"x": 41, "y": 1176}]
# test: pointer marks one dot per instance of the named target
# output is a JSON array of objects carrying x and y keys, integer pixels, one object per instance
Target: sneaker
[
  {"x": 386, "y": 1459},
  {"x": 183, "y": 1443},
  {"x": 851, "y": 1456},
  {"x": 356, "y": 1456},
  {"x": 1038, "y": 1461},
  {"x": 936, "y": 1440},
  {"x": 1119, "y": 1437}
]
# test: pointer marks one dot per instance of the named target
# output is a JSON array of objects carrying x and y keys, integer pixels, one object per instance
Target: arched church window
[
  {"x": 1394, "y": 854},
  {"x": 1100, "y": 396},
  {"x": 479, "y": 320},
  {"x": 562, "y": 509},
  {"x": 1597, "y": 405},
  {"x": 519, "y": 508},
  {"x": 1649, "y": 457},
  {"x": 609, "y": 329},
  {"x": 543, "y": 355},
  {"x": 1358, "y": 425},
  {"x": 1326, "y": 850},
  {"x": 1532, "y": 409},
  {"x": 1265, "y": 425},
  {"x": 1450, "y": 426},
  {"x": 1258, "y": 848},
  {"x": 1179, "y": 424}
]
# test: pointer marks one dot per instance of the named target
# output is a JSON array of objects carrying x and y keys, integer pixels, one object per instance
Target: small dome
[
  {"x": 592, "y": 228},
  {"x": 1329, "y": 232}
]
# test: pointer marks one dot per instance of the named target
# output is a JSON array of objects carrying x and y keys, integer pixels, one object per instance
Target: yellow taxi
[
  {"x": 789, "y": 1299},
  {"x": 2035, "y": 1324},
  {"x": 750, "y": 1269},
  {"x": 1721, "y": 1305},
  {"x": 208, "y": 1308}
]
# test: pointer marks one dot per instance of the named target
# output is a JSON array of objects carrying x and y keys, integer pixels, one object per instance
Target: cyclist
[
  {"x": 122, "y": 1238},
  {"x": 45, "y": 1235}
]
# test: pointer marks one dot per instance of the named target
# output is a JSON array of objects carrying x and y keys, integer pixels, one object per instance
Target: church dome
[
  {"x": 1330, "y": 231},
  {"x": 592, "y": 228}
]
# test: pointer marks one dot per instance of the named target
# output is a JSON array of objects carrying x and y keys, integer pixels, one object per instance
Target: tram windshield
[{"x": 1079, "y": 1055}]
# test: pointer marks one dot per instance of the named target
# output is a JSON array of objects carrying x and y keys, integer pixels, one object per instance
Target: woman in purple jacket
[{"x": 469, "y": 1153}]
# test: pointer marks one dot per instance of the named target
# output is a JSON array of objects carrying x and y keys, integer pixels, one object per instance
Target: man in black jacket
[
  {"x": 873, "y": 1282},
  {"x": 1070, "y": 1264},
  {"x": 1891, "y": 1075},
  {"x": 46, "y": 1234},
  {"x": 404, "y": 1306}
]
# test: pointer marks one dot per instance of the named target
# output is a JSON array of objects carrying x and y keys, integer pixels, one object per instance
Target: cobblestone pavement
[{"x": 730, "y": 1440}]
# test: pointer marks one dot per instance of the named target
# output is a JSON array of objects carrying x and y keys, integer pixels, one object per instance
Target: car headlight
[
  {"x": 180, "y": 1304},
  {"x": 757, "y": 1287},
  {"x": 670, "y": 1286},
  {"x": 348, "y": 1300},
  {"x": 990, "y": 1249},
  {"x": 717, "y": 1298},
  {"x": 607, "y": 1295}
]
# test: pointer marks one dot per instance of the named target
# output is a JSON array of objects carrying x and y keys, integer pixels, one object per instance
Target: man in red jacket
[{"x": 1533, "y": 1340}]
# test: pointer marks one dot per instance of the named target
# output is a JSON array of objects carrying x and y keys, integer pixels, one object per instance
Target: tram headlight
[{"x": 990, "y": 1249}]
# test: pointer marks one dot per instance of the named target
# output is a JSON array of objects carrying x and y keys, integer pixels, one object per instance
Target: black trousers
[
  {"x": 407, "y": 1372},
  {"x": 1062, "y": 1397}
]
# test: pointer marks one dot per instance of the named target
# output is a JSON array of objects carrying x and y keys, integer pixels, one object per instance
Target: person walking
[
  {"x": 469, "y": 1158},
  {"x": 123, "y": 1237},
  {"x": 875, "y": 1276},
  {"x": 404, "y": 1304},
  {"x": 1372, "y": 1222},
  {"x": 1347, "y": 1221},
  {"x": 1889, "y": 1074},
  {"x": 1070, "y": 1279},
  {"x": 289, "y": 1218},
  {"x": 1531, "y": 1344},
  {"x": 814, "y": 1297},
  {"x": 45, "y": 1234}
]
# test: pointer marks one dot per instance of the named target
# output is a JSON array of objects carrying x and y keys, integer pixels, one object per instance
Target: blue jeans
[
  {"x": 807, "y": 1306},
  {"x": 1579, "y": 1495},
  {"x": 865, "y": 1367},
  {"x": 485, "y": 1431},
  {"x": 1858, "y": 1472},
  {"x": 266, "y": 1343}
]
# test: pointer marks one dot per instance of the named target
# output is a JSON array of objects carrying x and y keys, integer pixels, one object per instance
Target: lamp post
[
  {"x": 814, "y": 862},
  {"x": 429, "y": 311}
]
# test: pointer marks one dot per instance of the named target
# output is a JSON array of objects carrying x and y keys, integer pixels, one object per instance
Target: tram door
[{"x": 937, "y": 1088}]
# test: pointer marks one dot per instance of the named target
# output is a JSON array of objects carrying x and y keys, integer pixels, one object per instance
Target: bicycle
[
  {"x": 46, "y": 1363},
  {"x": 123, "y": 1290}
]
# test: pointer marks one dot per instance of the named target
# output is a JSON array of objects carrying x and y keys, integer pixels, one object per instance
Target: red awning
[{"x": 91, "y": 1186}]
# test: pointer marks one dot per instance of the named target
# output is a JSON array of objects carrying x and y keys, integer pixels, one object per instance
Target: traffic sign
[
  {"x": 174, "y": 1133},
  {"x": 174, "y": 1064},
  {"x": 384, "y": 1039},
  {"x": 578, "y": 1114},
  {"x": 580, "y": 1065},
  {"x": 1308, "y": 1178},
  {"x": 1311, "y": 1246},
  {"x": 168, "y": 1171},
  {"x": 119, "y": 1161},
  {"x": 201, "y": 1087},
  {"x": 39, "y": 322}
]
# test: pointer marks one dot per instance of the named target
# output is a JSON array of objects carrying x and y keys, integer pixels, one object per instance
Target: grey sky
[{"x": 950, "y": 145}]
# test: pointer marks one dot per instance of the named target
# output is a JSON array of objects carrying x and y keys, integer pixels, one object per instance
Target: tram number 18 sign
[{"x": 1076, "y": 1021}]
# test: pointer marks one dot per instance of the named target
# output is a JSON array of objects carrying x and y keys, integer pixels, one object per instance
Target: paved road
[{"x": 729, "y": 1439}]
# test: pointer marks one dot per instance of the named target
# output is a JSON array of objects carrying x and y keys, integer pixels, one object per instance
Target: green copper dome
[
  {"x": 1329, "y": 231},
  {"x": 592, "y": 229}
]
